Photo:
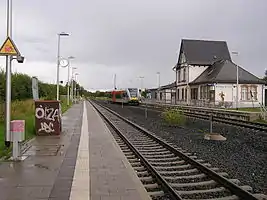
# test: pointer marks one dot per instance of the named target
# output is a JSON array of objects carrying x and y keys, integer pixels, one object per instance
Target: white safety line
[{"x": 80, "y": 189}]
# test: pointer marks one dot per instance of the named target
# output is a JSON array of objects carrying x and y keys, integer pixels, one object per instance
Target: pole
[
  {"x": 72, "y": 88},
  {"x": 8, "y": 81},
  {"x": 115, "y": 82},
  {"x": 58, "y": 56},
  {"x": 68, "y": 92},
  {"x": 237, "y": 86}
]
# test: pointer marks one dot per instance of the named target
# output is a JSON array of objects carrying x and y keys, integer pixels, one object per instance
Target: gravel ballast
[{"x": 243, "y": 155}]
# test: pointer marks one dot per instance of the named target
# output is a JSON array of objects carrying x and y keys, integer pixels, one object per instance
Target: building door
[{"x": 212, "y": 96}]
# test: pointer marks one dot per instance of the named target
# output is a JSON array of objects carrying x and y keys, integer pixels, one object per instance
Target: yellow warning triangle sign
[{"x": 9, "y": 48}]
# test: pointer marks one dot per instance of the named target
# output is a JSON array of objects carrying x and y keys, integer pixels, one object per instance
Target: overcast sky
[{"x": 131, "y": 38}]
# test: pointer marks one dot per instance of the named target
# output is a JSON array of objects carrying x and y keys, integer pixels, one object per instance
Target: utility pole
[{"x": 237, "y": 81}]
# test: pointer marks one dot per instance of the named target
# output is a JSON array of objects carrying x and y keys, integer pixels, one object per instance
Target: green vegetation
[
  {"x": 174, "y": 117},
  {"x": 23, "y": 107}
]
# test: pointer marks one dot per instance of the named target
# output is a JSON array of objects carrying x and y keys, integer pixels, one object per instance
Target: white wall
[
  {"x": 195, "y": 71},
  {"x": 230, "y": 94}
]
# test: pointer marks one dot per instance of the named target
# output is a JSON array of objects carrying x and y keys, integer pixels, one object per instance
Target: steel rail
[
  {"x": 163, "y": 183},
  {"x": 235, "y": 189}
]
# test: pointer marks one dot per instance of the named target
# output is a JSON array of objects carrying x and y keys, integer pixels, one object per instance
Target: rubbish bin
[{"x": 47, "y": 117}]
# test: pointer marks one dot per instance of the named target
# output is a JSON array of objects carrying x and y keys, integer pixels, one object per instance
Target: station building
[{"x": 207, "y": 76}]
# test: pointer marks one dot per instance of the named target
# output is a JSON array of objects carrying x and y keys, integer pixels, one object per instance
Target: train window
[{"x": 133, "y": 92}]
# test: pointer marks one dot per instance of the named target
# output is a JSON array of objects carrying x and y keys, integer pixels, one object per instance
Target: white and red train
[{"x": 126, "y": 96}]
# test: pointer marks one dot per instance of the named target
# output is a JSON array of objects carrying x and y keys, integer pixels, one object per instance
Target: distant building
[{"x": 206, "y": 75}]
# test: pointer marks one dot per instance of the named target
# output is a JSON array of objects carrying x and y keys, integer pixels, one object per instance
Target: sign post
[{"x": 11, "y": 52}]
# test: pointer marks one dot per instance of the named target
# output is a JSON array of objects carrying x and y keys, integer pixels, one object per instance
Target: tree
[{"x": 265, "y": 77}]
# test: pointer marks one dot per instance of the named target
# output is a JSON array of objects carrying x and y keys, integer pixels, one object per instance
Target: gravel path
[{"x": 243, "y": 155}]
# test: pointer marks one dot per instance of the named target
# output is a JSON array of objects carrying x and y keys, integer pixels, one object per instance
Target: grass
[{"x": 22, "y": 110}]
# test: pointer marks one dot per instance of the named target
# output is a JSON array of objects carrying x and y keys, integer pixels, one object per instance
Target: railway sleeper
[
  {"x": 139, "y": 168},
  {"x": 156, "y": 194},
  {"x": 168, "y": 164},
  {"x": 200, "y": 185},
  {"x": 156, "y": 156},
  {"x": 190, "y": 178},
  {"x": 142, "y": 173},
  {"x": 136, "y": 164},
  {"x": 163, "y": 160},
  {"x": 207, "y": 194},
  {"x": 147, "y": 179},
  {"x": 166, "y": 152}
]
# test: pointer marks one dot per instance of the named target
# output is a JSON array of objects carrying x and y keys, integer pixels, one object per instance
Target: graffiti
[
  {"x": 47, "y": 118},
  {"x": 48, "y": 128},
  {"x": 50, "y": 114}
]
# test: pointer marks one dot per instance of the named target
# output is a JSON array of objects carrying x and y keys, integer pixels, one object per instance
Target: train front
[{"x": 133, "y": 96}]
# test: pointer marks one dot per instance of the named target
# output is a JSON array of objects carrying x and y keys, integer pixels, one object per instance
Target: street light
[
  {"x": 58, "y": 60},
  {"x": 72, "y": 88},
  {"x": 68, "y": 93},
  {"x": 237, "y": 80},
  {"x": 75, "y": 90},
  {"x": 141, "y": 77},
  {"x": 158, "y": 73}
]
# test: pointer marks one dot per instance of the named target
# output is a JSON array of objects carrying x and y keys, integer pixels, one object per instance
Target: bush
[{"x": 174, "y": 117}]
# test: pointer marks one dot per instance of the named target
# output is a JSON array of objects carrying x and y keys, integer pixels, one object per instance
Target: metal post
[
  {"x": 211, "y": 123},
  {"x": 8, "y": 80},
  {"x": 146, "y": 110},
  {"x": 237, "y": 86},
  {"x": 68, "y": 87},
  {"x": 58, "y": 57},
  {"x": 115, "y": 82}
]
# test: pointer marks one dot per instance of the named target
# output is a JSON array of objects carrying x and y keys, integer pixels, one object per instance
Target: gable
[{"x": 203, "y": 52}]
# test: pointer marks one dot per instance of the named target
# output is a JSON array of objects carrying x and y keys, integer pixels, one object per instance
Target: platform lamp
[
  {"x": 68, "y": 92},
  {"x": 58, "y": 60}
]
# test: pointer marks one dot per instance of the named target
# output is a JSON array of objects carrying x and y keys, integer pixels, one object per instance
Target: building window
[
  {"x": 183, "y": 94},
  {"x": 178, "y": 94},
  {"x": 244, "y": 92},
  {"x": 253, "y": 93},
  {"x": 179, "y": 76},
  {"x": 184, "y": 75}
]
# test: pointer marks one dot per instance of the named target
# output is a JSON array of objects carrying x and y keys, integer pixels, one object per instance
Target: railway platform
[{"x": 84, "y": 162}]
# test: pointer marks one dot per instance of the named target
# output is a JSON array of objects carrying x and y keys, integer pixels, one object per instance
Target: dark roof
[
  {"x": 224, "y": 71},
  {"x": 169, "y": 86},
  {"x": 204, "y": 52}
]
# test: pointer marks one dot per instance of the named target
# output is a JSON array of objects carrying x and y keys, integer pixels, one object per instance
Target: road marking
[{"x": 80, "y": 189}]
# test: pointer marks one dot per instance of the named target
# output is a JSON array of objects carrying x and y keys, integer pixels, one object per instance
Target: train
[{"x": 131, "y": 96}]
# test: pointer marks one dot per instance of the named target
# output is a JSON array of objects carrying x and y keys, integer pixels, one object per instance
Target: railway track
[
  {"x": 234, "y": 122},
  {"x": 168, "y": 172}
]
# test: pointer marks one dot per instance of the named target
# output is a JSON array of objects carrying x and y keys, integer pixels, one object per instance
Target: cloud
[{"x": 132, "y": 38}]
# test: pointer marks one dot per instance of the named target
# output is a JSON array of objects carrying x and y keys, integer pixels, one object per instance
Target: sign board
[
  {"x": 9, "y": 48},
  {"x": 35, "y": 89},
  {"x": 17, "y": 130}
]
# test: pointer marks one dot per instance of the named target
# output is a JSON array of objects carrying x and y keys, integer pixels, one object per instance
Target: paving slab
[
  {"x": 111, "y": 175},
  {"x": 48, "y": 169}
]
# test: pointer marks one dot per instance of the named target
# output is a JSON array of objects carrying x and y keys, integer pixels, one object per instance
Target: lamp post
[
  {"x": 72, "y": 88},
  {"x": 75, "y": 88},
  {"x": 68, "y": 92},
  {"x": 58, "y": 60},
  {"x": 158, "y": 73},
  {"x": 237, "y": 80},
  {"x": 141, "y": 77}
]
